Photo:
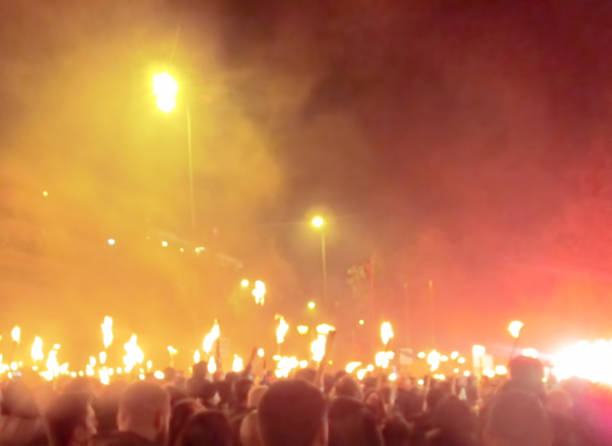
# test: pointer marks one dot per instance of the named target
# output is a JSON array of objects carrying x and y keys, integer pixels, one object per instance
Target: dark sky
[{"x": 463, "y": 142}]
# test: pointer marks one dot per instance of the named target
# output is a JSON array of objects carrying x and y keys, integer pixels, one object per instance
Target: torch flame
[
  {"x": 212, "y": 365},
  {"x": 386, "y": 332},
  {"x": 382, "y": 359},
  {"x": 325, "y": 328},
  {"x": 281, "y": 329},
  {"x": 211, "y": 337},
  {"x": 107, "y": 331},
  {"x": 352, "y": 366},
  {"x": 515, "y": 328},
  {"x": 37, "y": 349},
  {"x": 237, "y": 364},
  {"x": 134, "y": 354},
  {"x": 317, "y": 347},
  {"x": 16, "y": 334},
  {"x": 259, "y": 292},
  {"x": 433, "y": 359}
]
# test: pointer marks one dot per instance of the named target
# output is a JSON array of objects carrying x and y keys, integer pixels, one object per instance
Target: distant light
[
  {"x": 361, "y": 322},
  {"x": 244, "y": 283},
  {"x": 318, "y": 221},
  {"x": 45, "y": 193},
  {"x": 454, "y": 355},
  {"x": 443, "y": 358},
  {"x": 164, "y": 243},
  {"x": 302, "y": 329},
  {"x": 461, "y": 360},
  {"x": 421, "y": 355},
  {"x": 182, "y": 249},
  {"x": 311, "y": 305},
  {"x": 111, "y": 242},
  {"x": 199, "y": 249},
  {"x": 260, "y": 352},
  {"x": 165, "y": 88}
]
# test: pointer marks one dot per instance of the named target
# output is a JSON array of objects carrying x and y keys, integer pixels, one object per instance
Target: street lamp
[
  {"x": 165, "y": 88},
  {"x": 318, "y": 223}
]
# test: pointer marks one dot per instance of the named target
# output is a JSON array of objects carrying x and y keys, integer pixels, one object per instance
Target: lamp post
[
  {"x": 165, "y": 88},
  {"x": 318, "y": 223}
]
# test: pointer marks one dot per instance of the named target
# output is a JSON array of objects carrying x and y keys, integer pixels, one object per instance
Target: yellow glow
[
  {"x": 196, "y": 357},
  {"x": 281, "y": 329},
  {"x": 488, "y": 372},
  {"x": 45, "y": 193},
  {"x": 443, "y": 358},
  {"x": 165, "y": 88},
  {"x": 514, "y": 328},
  {"x": 237, "y": 364},
  {"x": 133, "y": 354},
  {"x": 420, "y": 382},
  {"x": 325, "y": 329},
  {"x": 172, "y": 351},
  {"x": 149, "y": 364},
  {"x": 158, "y": 374},
  {"x": 260, "y": 352},
  {"x": 244, "y": 283},
  {"x": 591, "y": 360},
  {"x": 393, "y": 376},
  {"x": 318, "y": 221},
  {"x": 302, "y": 329},
  {"x": 454, "y": 355},
  {"x": 211, "y": 337},
  {"x": 311, "y": 305},
  {"x": 455, "y": 370},
  {"x": 421, "y": 355},
  {"x": 303, "y": 364},
  {"x": 352, "y": 366},
  {"x": 92, "y": 361},
  {"x": 111, "y": 241},
  {"x": 37, "y": 349},
  {"x": 107, "y": 331},
  {"x": 386, "y": 332},
  {"x": 102, "y": 357},
  {"x": 164, "y": 243},
  {"x": 361, "y": 322},
  {"x": 461, "y": 360},
  {"x": 16, "y": 334}
]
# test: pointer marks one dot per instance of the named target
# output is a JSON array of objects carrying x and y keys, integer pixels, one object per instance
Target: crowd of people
[{"x": 309, "y": 409}]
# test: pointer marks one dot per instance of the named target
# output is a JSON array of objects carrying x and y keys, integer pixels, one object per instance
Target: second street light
[
  {"x": 165, "y": 88},
  {"x": 318, "y": 223}
]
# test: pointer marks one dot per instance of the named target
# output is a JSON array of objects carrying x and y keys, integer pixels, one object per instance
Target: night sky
[{"x": 460, "y": 142}]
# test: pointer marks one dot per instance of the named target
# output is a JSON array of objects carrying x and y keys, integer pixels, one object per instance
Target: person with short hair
[
  {"x": 351, "y": 423},
  {"x": 517, "y": 418},
  {"x": 71, "y": 421},
  {"x": 142, "y": 419},
  {"x": 292, "y": 412},
  {"x": 208, "y": 428}
]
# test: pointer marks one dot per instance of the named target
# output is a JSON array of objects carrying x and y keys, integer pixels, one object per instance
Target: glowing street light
[
  {"x": 318, "y": 221},
  {"x": 165, "y": 88},
  {"x": 311, "y": 305},
  {"x": 244, "y": 283},
  {"x": 111, "y": 242}
]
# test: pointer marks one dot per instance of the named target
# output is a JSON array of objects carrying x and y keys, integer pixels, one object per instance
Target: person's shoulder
[{"x": 117, "y": 438}]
